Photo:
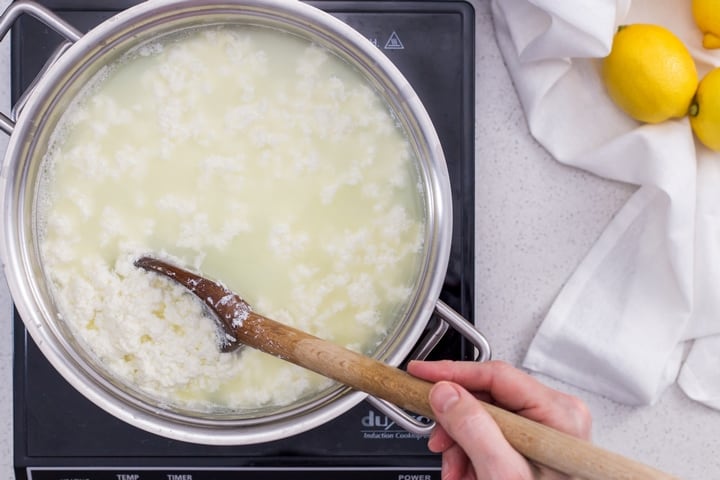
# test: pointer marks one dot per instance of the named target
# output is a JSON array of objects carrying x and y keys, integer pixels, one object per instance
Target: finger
[
  {"x": 496, "y": 376},
  {"x": 462, "y": 373},
  {"x": 513, "y": 390},
  {"x": 473, "y": 429},
  {"x": 439, "y": 440},
  {"x": 517, "y": 391},
  {"x": 456, "y": 465}
]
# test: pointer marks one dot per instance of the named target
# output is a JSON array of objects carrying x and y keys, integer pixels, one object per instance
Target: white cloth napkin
[{"x": 649, "y": 289}]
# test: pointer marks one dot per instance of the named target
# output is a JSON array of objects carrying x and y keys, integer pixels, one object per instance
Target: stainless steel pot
[{"x": 68, "y": 71}]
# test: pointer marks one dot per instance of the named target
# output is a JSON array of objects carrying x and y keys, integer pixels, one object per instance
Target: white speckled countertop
[{"x": 536, "y": 219}]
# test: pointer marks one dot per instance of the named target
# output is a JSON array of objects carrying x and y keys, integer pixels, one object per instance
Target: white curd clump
[{"x": 255, "y": 158}]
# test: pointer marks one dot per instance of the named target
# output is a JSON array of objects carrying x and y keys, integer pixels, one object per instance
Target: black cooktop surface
[{"x": 61, "y": 435}]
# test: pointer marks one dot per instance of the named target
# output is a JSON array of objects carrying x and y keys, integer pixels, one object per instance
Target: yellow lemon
[
  {"x": 707, "y": 18},
  {"x": 705, "y": 110},
  {"x": 649, "y": 73}
]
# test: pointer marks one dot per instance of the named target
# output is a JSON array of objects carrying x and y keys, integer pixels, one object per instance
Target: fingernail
[{"x": 443, "y": 396}]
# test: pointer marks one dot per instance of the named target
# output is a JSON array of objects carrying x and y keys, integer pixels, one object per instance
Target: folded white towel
[{"x": 623, "y": 321}]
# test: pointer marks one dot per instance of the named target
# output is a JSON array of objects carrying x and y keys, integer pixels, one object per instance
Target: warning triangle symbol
[{"x": 394, "y": 43}]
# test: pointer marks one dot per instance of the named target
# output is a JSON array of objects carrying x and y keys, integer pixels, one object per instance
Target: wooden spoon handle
[{"x": 535, "y": 441}]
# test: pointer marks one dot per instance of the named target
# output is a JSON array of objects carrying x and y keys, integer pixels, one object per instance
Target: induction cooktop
[{"x": 60, "y": 435}]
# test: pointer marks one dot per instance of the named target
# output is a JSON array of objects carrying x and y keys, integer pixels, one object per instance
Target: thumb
[{"x": 465, "y": 420}]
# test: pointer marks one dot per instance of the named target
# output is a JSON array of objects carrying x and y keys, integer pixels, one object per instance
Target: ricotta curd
[{"x": 255, "y": 158}]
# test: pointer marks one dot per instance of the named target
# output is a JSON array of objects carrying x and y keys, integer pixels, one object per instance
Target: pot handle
[
  {"x": 420, "y": 425},
  {"x": 466, "y": 329},
  {"x": 47, "y": 17}
]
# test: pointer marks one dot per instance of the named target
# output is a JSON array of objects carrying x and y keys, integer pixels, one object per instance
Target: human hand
[{"x": 471, "y": 443}]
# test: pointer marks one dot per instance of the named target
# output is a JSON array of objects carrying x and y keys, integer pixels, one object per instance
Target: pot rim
[{"x": 20, "y": 271}]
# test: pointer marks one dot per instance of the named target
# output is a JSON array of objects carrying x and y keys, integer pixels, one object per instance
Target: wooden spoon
[{"x": 535, "y": 441}]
